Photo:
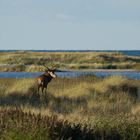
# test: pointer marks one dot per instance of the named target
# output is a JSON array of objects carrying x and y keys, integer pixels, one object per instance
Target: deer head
[{"x": 50, "y": 71}]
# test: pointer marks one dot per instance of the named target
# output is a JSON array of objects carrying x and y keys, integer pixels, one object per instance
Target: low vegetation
[
  {"x": 33, "y": 61},
  {"x": 82, "y": 108}
]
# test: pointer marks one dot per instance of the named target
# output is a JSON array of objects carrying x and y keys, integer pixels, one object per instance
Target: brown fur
[{"x": 43, "y": 80}]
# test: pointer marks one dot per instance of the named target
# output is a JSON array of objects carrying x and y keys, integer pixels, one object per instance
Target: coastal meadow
[
  {"x": 29, "y": 61},
  {"x": 85, "y": 107}
]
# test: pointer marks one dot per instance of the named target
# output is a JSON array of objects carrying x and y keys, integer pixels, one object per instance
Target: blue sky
[{"x": 70, "y": 24}]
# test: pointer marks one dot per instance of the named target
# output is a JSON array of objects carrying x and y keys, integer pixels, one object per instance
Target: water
[
  {"x": 125, "y": 52},
  {"x": 128, "y": 74}
]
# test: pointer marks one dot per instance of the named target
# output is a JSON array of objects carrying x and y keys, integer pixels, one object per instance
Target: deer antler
[
  {"x": 53, "y": 67},
  {"x": 46, "y": 67}
]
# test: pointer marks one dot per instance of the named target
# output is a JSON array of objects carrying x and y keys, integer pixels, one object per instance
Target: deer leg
[
  {"x": 38, "y": 89},
  {"x": 42, "y": 89},
  {"x": 46, "y": 89}
]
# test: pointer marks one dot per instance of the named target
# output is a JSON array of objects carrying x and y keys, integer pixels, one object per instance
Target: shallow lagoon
[{"x": 128, "y": 74}]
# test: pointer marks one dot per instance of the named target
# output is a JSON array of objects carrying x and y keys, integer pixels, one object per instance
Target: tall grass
[
  {"x": 33, "y": 61},
  {"x": 95, "y": 108}
]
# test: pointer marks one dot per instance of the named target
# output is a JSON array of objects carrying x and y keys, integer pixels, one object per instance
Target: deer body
[{"x": 44, "y": 79}]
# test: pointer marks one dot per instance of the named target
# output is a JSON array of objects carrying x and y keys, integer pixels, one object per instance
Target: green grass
[
  {"x": 82, "y": 108},
  {"x": 33, "y": 61}
]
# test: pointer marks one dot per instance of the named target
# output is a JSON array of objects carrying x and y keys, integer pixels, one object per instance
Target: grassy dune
[
  {"x": 33, "y": 61},
  {"x": 73, "y": 108}
]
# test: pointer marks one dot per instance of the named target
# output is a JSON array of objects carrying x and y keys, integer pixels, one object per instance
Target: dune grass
[
  {"x": 33, "y": 61},
  {"x": 82, "y": 108}
]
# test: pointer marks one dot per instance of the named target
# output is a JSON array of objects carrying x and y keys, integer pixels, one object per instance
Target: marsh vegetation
[
  {"x": 33, "y": 61},
  {"x": 81, "y": 108}
]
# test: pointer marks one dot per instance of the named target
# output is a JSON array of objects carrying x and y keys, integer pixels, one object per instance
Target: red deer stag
[{"x": 44, "y": 79}]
